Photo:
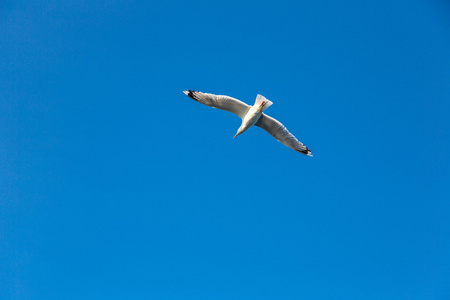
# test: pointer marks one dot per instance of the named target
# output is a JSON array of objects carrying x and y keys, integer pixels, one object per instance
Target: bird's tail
[{"x": 262, "y": 102}]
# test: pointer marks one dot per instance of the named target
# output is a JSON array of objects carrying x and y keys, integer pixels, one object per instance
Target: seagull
[{"x": 251, "y": 115}]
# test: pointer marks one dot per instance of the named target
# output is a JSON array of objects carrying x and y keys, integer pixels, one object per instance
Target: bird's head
[{"x": 240, "y": 131}]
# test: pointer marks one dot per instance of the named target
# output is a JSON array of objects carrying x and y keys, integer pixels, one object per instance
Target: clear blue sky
[{"x": 115, "y": 185}]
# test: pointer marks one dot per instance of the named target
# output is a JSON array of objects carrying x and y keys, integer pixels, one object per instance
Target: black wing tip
[
  {"x": 306, "y": 152},
  {"x": 191, "y": 94}
]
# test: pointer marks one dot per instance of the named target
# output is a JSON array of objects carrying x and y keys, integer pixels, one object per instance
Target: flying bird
[{"x": 251, "y": 115}]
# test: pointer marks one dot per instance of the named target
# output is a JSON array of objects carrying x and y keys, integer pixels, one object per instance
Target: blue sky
[{"x": 115, "y": 185}]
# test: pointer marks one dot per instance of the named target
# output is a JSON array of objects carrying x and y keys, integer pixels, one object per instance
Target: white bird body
[{"x": 252, "y": 115}]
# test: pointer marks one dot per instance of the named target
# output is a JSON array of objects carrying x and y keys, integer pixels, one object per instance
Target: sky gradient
[{"x": 116, "y": 185}]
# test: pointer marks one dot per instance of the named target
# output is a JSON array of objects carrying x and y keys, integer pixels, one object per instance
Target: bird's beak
[{"x": 235, "y": 136}]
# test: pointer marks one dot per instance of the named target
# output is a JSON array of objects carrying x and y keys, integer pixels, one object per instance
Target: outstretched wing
[
  {"x": 230, "y": 104},
  {"x": 279, "y": 132}
]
